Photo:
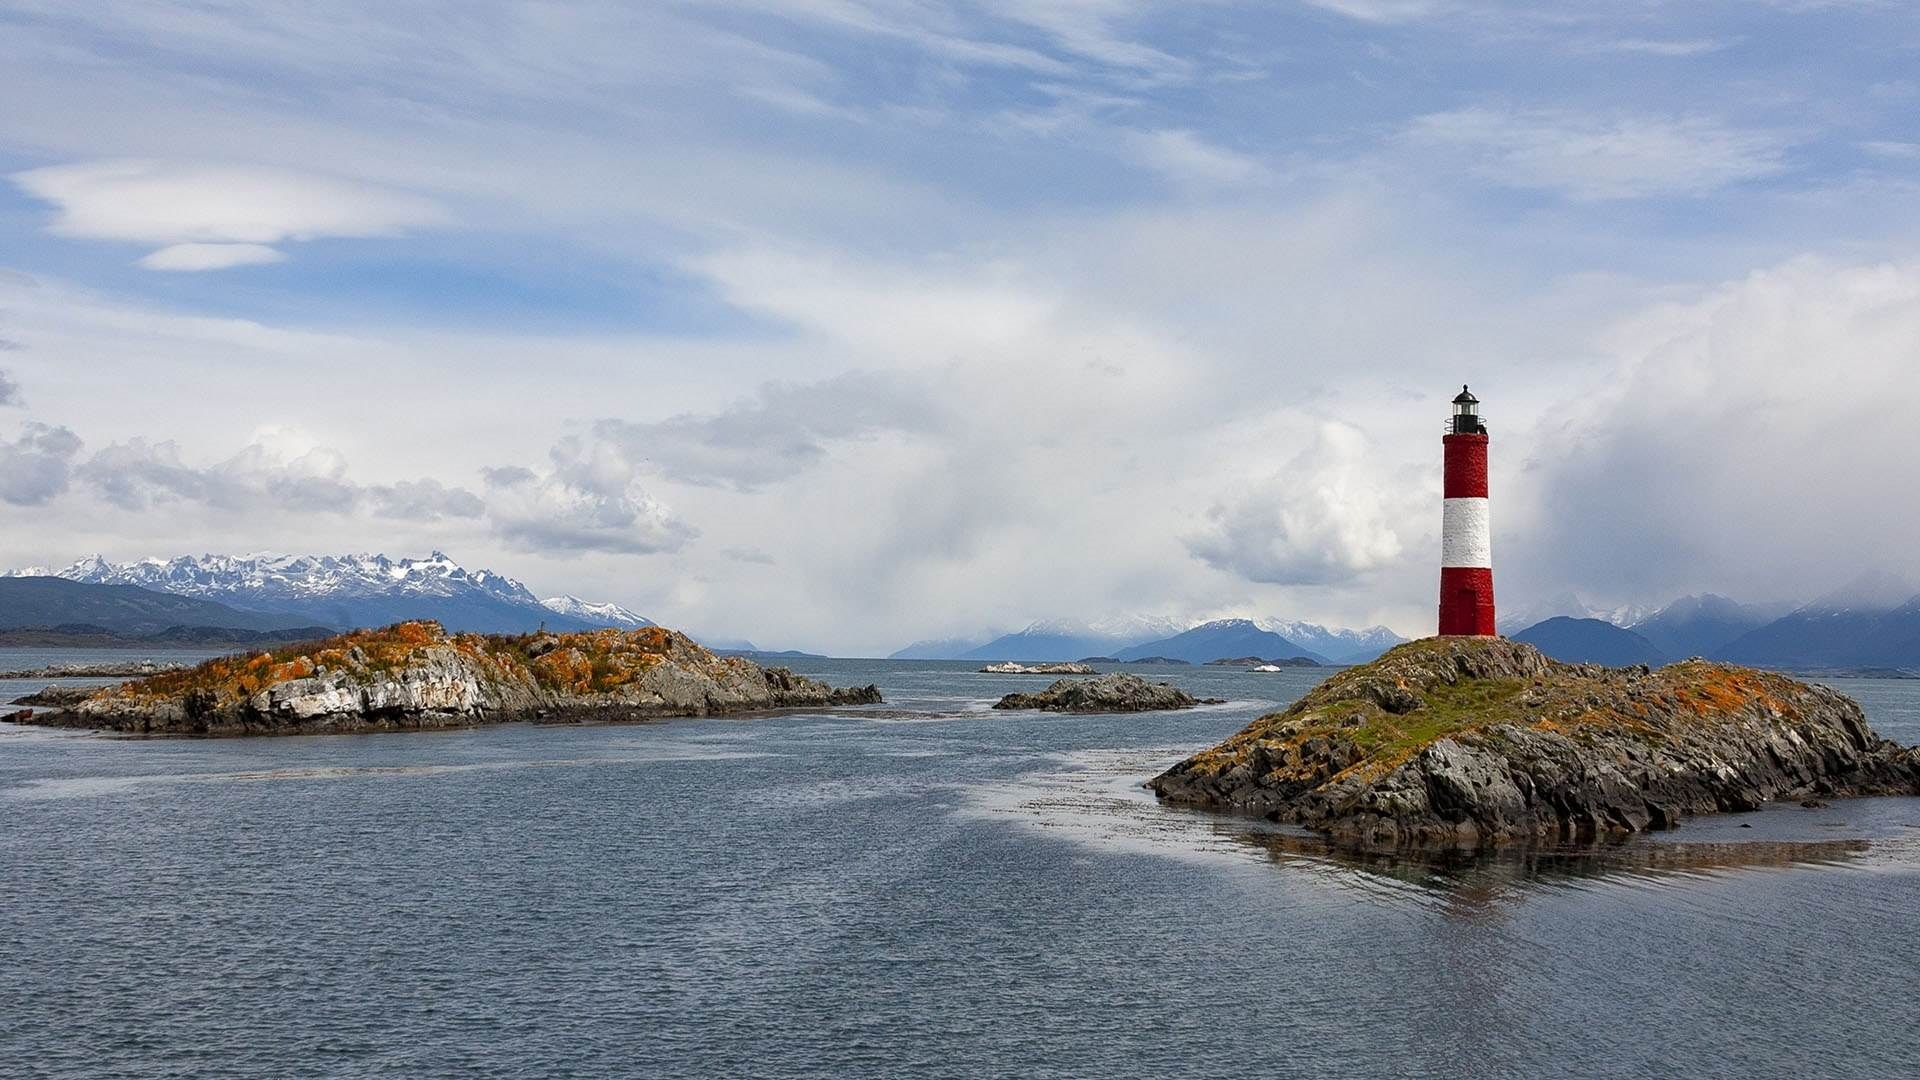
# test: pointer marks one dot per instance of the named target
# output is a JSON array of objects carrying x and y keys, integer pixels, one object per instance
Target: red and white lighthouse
[{"x": 1466, "y": 532}]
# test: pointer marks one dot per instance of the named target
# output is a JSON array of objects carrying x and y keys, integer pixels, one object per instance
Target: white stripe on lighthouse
[{"x": 1466, "y": 533}]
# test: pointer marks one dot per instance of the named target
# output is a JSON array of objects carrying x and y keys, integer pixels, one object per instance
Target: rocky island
[
  {"x": 415, "y": 675},
  {"x": 1460, "y": 741},
  {"x": 1013, "y": 667},
  {"x": 1106, "y": 694},
  {"x": 128, "y": 670}
]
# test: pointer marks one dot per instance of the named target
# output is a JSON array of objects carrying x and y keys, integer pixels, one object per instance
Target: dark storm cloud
[{"x": 38, "y": 465}]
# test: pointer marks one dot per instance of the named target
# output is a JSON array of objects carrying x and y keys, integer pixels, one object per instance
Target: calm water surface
[{"x": 922, "y": 889}]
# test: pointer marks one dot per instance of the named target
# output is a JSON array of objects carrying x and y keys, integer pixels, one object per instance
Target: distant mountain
[
  {"x": 1064, "y": 639},
  {"x": 781, "y": 654},
  {"x": 1590, "y": 641},
  {"x": 1702, "y": 625},
  {"x": 1342, "y": 646},
  {"x": 940, "y": 648},
  {"x": 342, "y": 590},
  {"x": 1518, "y": 618},
  {"x": 125, "y": 610},
  {"x": 598, "y": 614},
  {"x": 1220, "y": 639},
  {"x": 1822, "y": 635}
]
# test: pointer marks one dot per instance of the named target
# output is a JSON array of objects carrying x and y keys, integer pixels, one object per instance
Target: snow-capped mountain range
[
  {"x": 1338, "y": 643},
  {"x": 353, "y": 590}
]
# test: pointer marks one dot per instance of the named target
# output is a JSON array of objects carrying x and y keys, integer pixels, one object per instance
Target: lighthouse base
[{"x": 1466, "y": 601}]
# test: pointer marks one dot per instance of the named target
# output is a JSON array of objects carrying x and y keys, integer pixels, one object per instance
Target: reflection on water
[{"x": 1476, "y": 884}]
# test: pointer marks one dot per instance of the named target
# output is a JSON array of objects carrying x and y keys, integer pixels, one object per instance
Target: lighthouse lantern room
[
  {"x": 1466, "y": 534},
  {"x": 1466, "y": 414}
]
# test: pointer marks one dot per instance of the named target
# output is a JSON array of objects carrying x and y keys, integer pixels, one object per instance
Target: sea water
[{"x": 925, "y": 888}]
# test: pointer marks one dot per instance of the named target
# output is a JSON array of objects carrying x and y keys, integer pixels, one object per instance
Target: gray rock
[{"x": 1106, "y": 694}]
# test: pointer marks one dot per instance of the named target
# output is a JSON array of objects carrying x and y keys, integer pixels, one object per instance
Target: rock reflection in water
[{"x": 1478, "y": 881}]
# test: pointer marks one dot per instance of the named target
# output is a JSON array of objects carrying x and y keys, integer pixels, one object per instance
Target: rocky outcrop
[
  {"x": 135, "y": 669},
  {"x": 1013, "y": 668},
  {"x": 1473, "y": 741},
  {"x": 416, "y": 675},
  {"x": 1106, "y": 694},
  {"x": 56, "y": 697}
]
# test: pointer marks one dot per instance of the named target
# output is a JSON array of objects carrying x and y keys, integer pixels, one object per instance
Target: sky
[{"x": 840, "y": 323}]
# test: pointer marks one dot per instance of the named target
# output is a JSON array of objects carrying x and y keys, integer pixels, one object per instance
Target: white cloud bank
[
  {"x": 1327, "y": 517},
  {"x": 1752, "y": 441}
]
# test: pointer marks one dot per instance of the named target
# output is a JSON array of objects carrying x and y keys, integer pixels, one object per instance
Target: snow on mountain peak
[{"x": 609, "y": 614}]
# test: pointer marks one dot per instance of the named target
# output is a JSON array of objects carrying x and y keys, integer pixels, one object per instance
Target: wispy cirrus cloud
[
  {"x": 1674, "y": 47},
  {"x": 1596, "y": 157},
  {"x": 1187, "y": 159},
  {"x": 1382, "y": 11}
]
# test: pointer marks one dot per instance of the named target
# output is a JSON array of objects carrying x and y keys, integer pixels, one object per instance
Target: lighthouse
[{"x": 1466, "y": 534}]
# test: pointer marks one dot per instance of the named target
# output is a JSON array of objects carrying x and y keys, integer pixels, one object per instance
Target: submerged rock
[
  {"x": 1472, "y": 741},
  {"x": 1108, "y": 693},
  {"x": 416, "y": 675}
]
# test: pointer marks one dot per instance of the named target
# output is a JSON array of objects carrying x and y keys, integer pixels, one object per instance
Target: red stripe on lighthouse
[
  {"x": 1466, "y": 468},
  {"x": 1466, "y": 600}
]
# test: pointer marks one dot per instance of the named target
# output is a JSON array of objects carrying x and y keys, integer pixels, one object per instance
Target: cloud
[
  {"x": 209, "y": 216},
  {"x": 38, "y": 465},
  {"x": 1601, "y": 157},
  {"x": 1090, "y": 28},
  {"x": 138, "y": 474},
  {"x": 1888, "y": 148},
  {"x": 9, "y": 391},
  {"x": 424, "y": 500},
  {"x": 588, "y": 501},
  {"x": 211, "y": 256},
  {"x": 1326, "y": 518},
  {"x": 280, "y": 472},
  {"x": 1748, "y": 441},
  {"x": 1381, "y": 11},
  {"x": 1662, "y": 46},
  {"x": 780, "y": 431},
  {"x": 748, "y": 555},
  {"x": 1186, "y": 158}
]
